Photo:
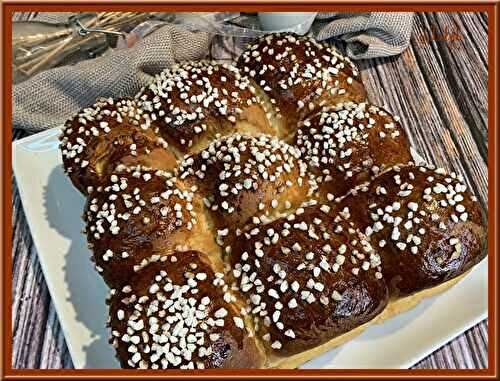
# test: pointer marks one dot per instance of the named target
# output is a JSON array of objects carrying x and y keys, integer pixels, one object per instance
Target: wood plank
[
  {"x": 29, "y": 293},
  {"x": 465, "y": 71}
]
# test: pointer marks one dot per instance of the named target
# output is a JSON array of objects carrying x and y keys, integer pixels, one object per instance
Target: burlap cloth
[
  {"x": 367, "y": 35},
  {"x": 49, "y": 98}
]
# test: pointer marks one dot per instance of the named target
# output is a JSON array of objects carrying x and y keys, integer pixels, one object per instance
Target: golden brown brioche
[
  {"x": 193, "y": 102},
  {"x": 346, "y": 144},
  {"x": 244, "y": 178},
  {"x": 296, "y": 75},
  {"x": 308, "y": 277},
  {"x": 180, "y": 313},
  {"x": 252, "y": 251},
  {"x": 139, "y": 216},
  {"x": 424, "y": 223},
  {"x": 108, "y": 134}
]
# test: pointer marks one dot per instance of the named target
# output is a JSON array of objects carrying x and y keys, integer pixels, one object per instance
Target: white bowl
[{"x": 298, "y": 22}]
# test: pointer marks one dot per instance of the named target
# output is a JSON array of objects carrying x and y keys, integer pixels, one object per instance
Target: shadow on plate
[{"x": 87, "y": 291}]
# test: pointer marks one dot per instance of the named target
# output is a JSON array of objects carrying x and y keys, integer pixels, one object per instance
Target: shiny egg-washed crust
[
  {"x": 236, "y": 241},
  {"x": 193, "y": 102},
  {"x": 307, "y": 278},
  {"x": 180, "y": 313},
  {"x": 424, "y": 223},
  {"x": 347, "y": 144},
  {"x": 296, "y": 75},
  {"x": 108, "y": 134},
  {"x": 244, "y": 178},
  {"x": 139, "y": 216},
  {"x": 395, "y": 307}
]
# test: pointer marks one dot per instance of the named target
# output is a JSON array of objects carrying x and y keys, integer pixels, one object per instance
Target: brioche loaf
[{"x": 258, "y": 214}]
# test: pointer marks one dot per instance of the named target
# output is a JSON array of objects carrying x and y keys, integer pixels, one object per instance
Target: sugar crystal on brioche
[
  {"x": 140, "y": 216},
  {"x": 193, "y": 102},
  {"x": 109, "y": 133},
  {"x": 308, "y": 277},
  {"x": 247, "y": 178},
  {"x": 348, "y": 143},
  {"x": 426, "y": 224},
  {"x": 296, "y": 75},
  {"x": 182, "y": 314}
]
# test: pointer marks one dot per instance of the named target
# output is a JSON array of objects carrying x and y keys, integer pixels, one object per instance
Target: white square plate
[{"x": 53, "y": 208}]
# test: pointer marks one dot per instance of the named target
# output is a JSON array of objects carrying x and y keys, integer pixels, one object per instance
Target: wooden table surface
[{"x": 439, "y": 88}]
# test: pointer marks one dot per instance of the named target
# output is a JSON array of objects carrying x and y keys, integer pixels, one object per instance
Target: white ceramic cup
[{"x": 277, "y": 21}]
